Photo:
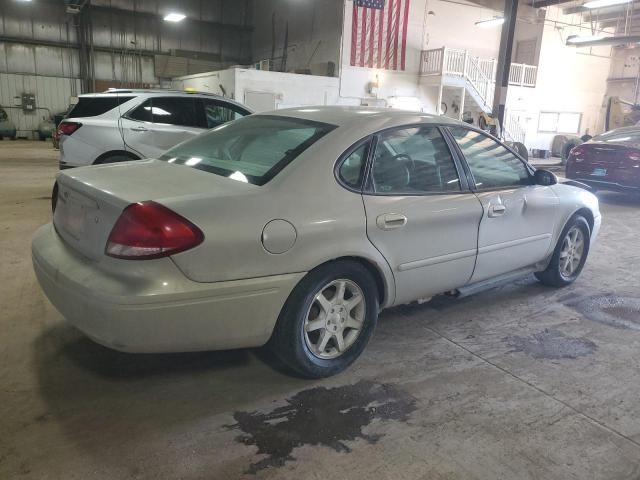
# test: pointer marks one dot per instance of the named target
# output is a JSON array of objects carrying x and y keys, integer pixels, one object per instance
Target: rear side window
[
  {"x": 253, "y": 149},
  {"x": 174, "y": 111},
  {"x": 94, "y": 106},
  {"x": 142, "y": 113},
  {"x": 168, "y": 111},
  {"x": 413, "y": 160}
]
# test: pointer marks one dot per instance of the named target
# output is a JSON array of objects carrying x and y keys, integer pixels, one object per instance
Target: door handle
[
  {"x": 139, "y": 129},
  {"x": 389, "y": 221},
  {"x": 497, "y": 210}
]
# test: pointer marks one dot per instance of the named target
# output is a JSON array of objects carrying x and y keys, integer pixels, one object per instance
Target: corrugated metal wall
[
  {"x": 51, "y": 93},
  {"x": 39, "y": 49}
]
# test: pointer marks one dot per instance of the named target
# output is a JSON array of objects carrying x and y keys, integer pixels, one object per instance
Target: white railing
[
  {"x": 431, "y": 62},
  {"x": 530, "y": 76},
  {"x": 480, "y": 82},
  {"x": 523, "y": 75},
  {"x": 513, "y": 129},
  {"x": 455, "y": 61},
  {"x": 452, "y": 61}
]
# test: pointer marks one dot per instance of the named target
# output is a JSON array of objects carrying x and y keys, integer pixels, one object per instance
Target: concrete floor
[{"x": 520, "y": 382}]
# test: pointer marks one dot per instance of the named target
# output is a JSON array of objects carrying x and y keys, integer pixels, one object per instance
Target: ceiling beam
[{"x": 546, "y": 3}]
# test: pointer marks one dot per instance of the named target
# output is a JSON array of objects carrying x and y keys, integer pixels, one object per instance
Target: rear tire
[
  {"x": 316, "y": 309},
  {"x": 114, "y": 158},
  {"x": 569, "y": 255}
]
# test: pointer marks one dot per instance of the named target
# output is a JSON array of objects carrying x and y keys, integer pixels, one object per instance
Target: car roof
[
  {"x": 155, "y": 92},
  {"x": 161, "y": 92},
  {"x": 363, "y": 117}
]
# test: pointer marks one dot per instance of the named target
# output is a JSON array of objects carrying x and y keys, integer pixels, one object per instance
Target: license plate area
[
  {"x": 599, "y": 172},
  {"x": 72, "y": 213}
]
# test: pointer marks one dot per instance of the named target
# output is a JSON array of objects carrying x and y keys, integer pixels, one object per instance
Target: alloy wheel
[
  {"x": 571, "y": 252},
  {"x": 335, "y": 319}
]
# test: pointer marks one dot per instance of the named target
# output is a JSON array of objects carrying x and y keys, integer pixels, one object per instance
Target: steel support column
[{"x": 504, "y": 59}]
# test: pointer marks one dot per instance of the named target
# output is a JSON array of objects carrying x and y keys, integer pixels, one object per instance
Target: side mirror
[{"x": 544, "y": 178}]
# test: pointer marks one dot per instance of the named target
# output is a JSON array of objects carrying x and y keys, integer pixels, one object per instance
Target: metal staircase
[{"x": 451, "y": 67}]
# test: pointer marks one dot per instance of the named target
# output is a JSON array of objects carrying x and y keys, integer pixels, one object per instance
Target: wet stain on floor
[
  {"x": 320, "y": 416},
  {"x": 551, "y": 344},
  {"x": 613, "y": 310}
]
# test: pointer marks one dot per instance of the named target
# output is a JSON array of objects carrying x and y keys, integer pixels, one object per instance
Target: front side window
[
  {"x": 413, "y": 160},
  {"x": 216, "y": 112},
  {"x": 253, "y": 149},
  {"x": 492, "y": 164}
]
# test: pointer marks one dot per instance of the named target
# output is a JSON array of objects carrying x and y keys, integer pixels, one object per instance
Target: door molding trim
[
  {"x": 403, "y": 267},
  {"x": 513, "y": 243}
]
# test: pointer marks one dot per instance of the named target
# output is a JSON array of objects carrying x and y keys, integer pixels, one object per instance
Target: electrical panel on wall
[{"x": 28, "y": 103}]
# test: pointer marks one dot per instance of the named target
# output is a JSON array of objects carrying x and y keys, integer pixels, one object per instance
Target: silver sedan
[{"x": 294, "y": 228}]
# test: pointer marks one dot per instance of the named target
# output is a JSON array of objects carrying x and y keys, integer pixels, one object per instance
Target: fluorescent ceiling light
[
  {"x": 604, "y": 3},
  {"x": 584, "y": 38},
  {"x": 595, "y": 40},
  {"x": 492, "y": 22},
  {"x": 174, "y": 17}
]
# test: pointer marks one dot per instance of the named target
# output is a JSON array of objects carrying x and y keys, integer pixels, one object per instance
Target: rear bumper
[{"x": 159, "y": 309}]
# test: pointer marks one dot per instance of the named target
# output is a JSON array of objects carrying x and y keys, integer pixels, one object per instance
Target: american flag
[{"x": 379, "y": 33}]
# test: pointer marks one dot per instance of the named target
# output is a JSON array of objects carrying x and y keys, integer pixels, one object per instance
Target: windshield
[{"x": 253, "y": 149}]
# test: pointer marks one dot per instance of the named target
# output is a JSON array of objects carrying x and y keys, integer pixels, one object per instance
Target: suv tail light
[
  {"x": 149, "y": 230},
  {"x": 67, "y": 128}
]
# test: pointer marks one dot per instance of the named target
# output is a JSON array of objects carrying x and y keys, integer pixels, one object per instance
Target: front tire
[
  {"x": 569, "y": 255},
  {"x": 327, "y": 320}
]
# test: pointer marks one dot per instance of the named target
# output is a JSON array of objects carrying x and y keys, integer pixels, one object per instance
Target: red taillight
[
  {"x": 576, "y": 151},
  {"x": 149, "y": 230},
  {"x": 67, "y": 128},
  {"x": 634, "y": 156}
]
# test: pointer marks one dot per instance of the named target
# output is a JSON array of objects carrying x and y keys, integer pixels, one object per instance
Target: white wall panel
[{"x": 52, "y": 93}]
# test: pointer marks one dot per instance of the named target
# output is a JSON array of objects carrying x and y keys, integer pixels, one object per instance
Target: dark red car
[{"x": 610, "y": 161}]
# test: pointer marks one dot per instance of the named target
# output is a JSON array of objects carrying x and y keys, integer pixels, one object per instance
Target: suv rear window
[
  {"x": 253, "y": 149},
  {"x": 94, "y": 106}
]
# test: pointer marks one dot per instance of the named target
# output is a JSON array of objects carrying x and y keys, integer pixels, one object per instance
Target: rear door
[
  {"x": 420, "y": 214},
  {"x": 136, "y": 128},
  {"x": 159, "y": 124},
  {"x": 518, "y": 216},
  {"x": 175, "y": 120}
]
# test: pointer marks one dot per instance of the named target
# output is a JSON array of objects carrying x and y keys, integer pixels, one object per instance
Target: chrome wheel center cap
[{"x": 336, "y": 318}]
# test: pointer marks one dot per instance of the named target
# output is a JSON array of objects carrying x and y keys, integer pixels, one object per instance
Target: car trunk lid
[{"x": 91, "y": 199}]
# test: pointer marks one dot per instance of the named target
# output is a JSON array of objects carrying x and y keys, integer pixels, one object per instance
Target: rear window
[
  {"x": 620, "y": 136},
  {"x": 94, "y": 106},
  {"x": 253, "y": 149}
]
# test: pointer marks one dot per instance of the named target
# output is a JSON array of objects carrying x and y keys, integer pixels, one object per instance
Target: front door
[
  {"x": 518, "y": 217},
  {"x": 420, "y": 215}
]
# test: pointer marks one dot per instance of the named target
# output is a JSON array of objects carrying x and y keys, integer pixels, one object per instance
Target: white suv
[{"x": 120, "y": 125}]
